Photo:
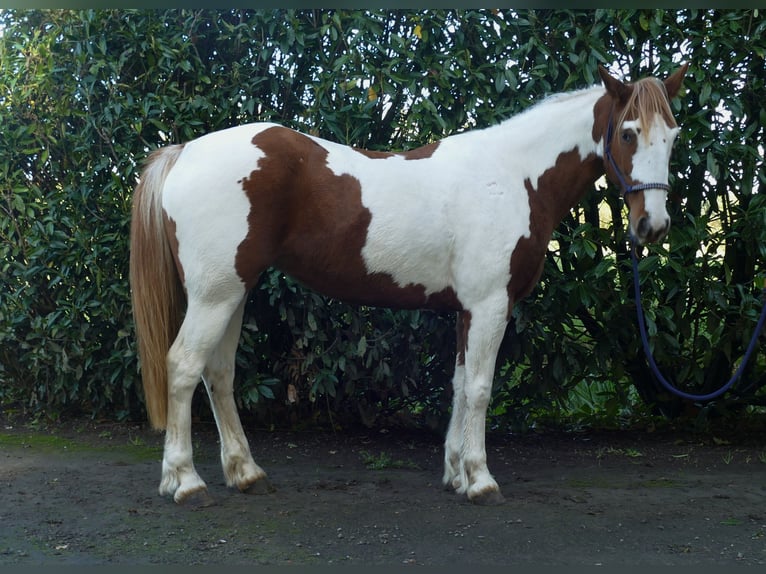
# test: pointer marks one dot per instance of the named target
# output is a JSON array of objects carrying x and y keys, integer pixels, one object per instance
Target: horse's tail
[{"x": 156, "y": 290}]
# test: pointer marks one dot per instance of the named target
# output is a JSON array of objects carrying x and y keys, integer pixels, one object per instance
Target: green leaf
[
  {"x": 499, "y": 82},
  {"x": 712, "y": 165}
]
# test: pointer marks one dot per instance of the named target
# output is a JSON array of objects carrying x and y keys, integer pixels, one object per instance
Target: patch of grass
[
  {"x": 136, "y": 441},
  {"x": 602, "y": 483},
  {"x": 627, "y": 452},
  {"x": 384, "y": 461},
  {"x": 45, "y": 442},
  {"x": 136, "y": 448}
]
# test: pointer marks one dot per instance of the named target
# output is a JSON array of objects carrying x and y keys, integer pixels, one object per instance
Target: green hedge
[{"x": 85, "y": 95}]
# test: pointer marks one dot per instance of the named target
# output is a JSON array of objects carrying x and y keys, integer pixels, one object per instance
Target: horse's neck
[
  {"x": 554, "y": 150},
  {"x": 556, "y": 125}
]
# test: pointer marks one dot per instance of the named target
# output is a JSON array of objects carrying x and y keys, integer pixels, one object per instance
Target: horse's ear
[
  {"x": 613, "y": 86},
  {"x": 673, "y": 83}
]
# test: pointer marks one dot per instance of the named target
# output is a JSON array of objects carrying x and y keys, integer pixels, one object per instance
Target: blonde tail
[{"x": 156, "y": 291}]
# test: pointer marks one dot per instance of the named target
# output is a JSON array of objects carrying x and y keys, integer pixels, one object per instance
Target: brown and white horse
[{"x": 458, "y": 225}]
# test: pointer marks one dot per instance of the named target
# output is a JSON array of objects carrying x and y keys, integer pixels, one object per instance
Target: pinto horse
[{"x": 458, "y": 225}]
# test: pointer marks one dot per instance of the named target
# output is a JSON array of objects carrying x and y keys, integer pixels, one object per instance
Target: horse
[{"x": 459, "y": 225}]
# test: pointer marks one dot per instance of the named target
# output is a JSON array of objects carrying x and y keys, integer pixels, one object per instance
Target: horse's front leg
[
  {"x": 454, "y": 477},
  {"x": 482, "y": 341},
  {"x": 453, "y": 444}
]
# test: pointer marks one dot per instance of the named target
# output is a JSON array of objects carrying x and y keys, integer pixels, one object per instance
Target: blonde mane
[{"x": 648, "y": 98}]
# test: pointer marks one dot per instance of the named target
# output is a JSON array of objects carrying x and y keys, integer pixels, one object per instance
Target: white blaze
[{"x": 651, "y": 164}]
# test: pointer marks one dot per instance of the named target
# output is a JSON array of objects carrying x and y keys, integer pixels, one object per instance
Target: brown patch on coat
[
  {"x": 423, "y": 152},
  {"x": 463, "y": 325},
  {"x": 559, "y": 188},
  {"x": 636, "y": 207},
  {"x": 608, "y": 108},
  {"x": 311, "y": 224}
]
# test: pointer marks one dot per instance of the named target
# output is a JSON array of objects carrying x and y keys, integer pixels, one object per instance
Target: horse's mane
[{"x": 648, "y": 98}]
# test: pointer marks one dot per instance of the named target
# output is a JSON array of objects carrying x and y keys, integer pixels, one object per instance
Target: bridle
[{"x": 626, "y": 189}]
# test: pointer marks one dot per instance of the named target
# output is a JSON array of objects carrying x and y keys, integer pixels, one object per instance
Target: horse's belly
[{"x": 339, "y": 269}]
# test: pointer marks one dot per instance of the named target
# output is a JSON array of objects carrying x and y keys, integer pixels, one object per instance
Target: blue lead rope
[{"x": 653, "y": 364}]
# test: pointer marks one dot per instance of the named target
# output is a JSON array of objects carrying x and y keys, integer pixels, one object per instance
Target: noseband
[{"x": 626, "y": 189}]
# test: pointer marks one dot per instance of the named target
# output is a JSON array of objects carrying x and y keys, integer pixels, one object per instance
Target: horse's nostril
[{"x": 643, "y": 227}]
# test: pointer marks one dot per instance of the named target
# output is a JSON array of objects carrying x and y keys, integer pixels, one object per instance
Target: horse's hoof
[
  {"x": 260, "y": 486},
  {"x": 195, "y": 499},
  {"x": 488, "y": 498}
]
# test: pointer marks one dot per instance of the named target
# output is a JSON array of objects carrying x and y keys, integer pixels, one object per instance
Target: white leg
[
  {"x": 200, "y": 333},
  {"x": 453, "y": 444},
  {"x": 239, "y": 468},
  {"x": 487, "y": 326}
]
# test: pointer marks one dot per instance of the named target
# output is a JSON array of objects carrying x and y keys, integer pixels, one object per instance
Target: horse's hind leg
[
  {"x": 239, "y": 468},
  {"x": 201, "y": 331}
]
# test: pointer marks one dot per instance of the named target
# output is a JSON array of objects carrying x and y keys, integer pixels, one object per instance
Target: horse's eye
[{"x": 628, "y": 136}]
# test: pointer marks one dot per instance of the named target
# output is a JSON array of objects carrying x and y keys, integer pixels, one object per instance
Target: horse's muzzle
[{"x": 647, "y": 232}]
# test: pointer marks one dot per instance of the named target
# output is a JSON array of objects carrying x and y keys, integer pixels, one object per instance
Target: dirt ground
[{"x": 86, "y": 493}]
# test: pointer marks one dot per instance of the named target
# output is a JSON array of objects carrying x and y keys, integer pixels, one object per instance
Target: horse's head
[{"x": 638, "y": 138}]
